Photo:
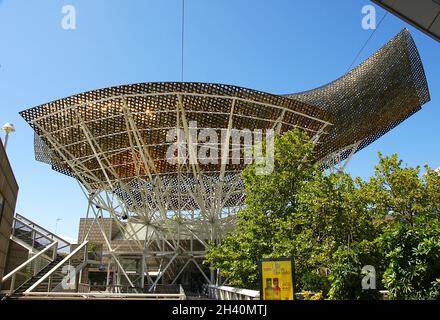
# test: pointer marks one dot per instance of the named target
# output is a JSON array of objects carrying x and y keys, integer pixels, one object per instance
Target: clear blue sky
[{"x": 280, "y": 46}]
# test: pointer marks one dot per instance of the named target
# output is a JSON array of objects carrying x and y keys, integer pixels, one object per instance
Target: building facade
[{"x": 8, "y": 198}]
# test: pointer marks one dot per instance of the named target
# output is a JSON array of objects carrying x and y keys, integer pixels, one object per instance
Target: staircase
[
  {"x": 56, "y": 278},
  {"x": 26, "y": 237},
  {"x": 34, "y": 236},
  {"x": 43, "y": 271}
]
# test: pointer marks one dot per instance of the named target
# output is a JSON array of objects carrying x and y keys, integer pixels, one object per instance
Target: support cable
[
  {"x": 367, "y": 41},
  {"x": 183, "y": 37}
]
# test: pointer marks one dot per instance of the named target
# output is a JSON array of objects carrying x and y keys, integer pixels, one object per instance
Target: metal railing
[
  {"x": 83, "y": 288},
  {"x": 30, "y": 268},
  {"x": 44, "y": 247},
  {"x": 28, "y": 237},
  {"x": 112, "y": 292},
  {"x": 60, "y": 278},
  {"x": 231, "y": 293},
  {"x": 105, "y": 296},
  {"x": 35, "y": 235},
  {"x": 158, "y": 289}
]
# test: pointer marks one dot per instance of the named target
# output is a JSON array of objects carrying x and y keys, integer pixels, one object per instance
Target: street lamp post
[
  {"x": 8, "y": 128},
  {"x": 56, "y": 224}
]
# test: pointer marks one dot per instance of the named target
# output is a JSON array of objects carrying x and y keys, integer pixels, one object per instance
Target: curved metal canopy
[
  {"x": 115, "y": 139},
  {"x": 374, "y": 97},
  {"x": 108, "y": 127}
]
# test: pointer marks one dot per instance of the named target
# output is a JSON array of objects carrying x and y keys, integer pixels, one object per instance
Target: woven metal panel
[
  {"x": 114, "y": 139},
  {"x": 153, "y": 106},
  {"x": 374, "y": 97}
]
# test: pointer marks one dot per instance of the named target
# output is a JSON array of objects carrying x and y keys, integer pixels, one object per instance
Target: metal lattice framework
[{"x": 113, "y": 141}]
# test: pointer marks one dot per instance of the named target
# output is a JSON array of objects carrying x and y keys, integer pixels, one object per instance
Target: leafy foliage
[
  {"x": 412, "y": 253},
  {"x": 347, "y": 275},
  {"x": 270, "y": 202},
  {"x": 339, "y": 223}
]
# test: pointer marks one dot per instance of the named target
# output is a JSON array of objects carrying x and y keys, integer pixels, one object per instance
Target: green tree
[
  {"x": 298, "y": 211},
  {"x": 347, "y": 275},
  {"x": 409, "y": 202},
  {"x": 270, "y": 202},
  {"x": 338, "y": 223},
  {"x": 404, "y": 207}
]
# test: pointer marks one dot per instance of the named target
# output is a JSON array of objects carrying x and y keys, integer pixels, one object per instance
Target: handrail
[
  {"x": 103, "y": 295},
  {"x": 36, "y": 284},
  {"x": 36, "y": 226},
  {"x": 35, "y": 237},
  {"x": 24, "y": 264},
  {"x": 32, "y": 230},
  {"x": 231, "y": 293}
]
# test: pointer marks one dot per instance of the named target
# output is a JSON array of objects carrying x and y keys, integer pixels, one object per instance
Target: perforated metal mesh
[
  {"x": 114, "y": 139},
  {"x": 374, "y": 97},
  {"x": 153, "y": 107}
]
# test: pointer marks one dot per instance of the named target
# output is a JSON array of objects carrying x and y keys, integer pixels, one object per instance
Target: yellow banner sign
[{"x": 277, "y": 279}]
